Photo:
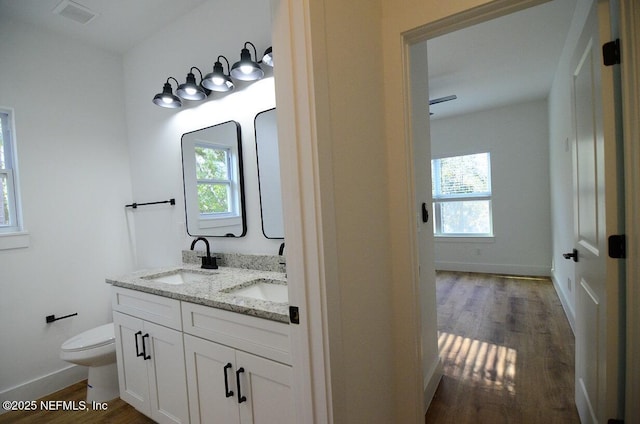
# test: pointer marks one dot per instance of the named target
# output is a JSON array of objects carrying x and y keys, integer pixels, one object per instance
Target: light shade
[
  {"x": 267, "y": 57},
  {"x": 218, "y": 80},
  {"x": 167, "y": 98},
  {"x": 190, "y": 90},
  {"x": 247, "y": 69}
]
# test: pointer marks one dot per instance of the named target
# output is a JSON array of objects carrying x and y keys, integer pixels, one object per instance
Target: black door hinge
[
  {"x": 611, "y": 53},
  {"x": 294, "y": 315},
  {"x": 618, "y": 246}
]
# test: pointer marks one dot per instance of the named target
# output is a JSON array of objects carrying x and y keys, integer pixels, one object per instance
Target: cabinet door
[
  {"x": 211, "y": 381},
  {"x": 132, "y": 371},
  {"x": 267, "y": 387},
  {"x": 167, "y": 375}
]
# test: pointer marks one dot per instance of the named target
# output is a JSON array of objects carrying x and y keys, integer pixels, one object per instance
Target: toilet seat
[{"x": 91, "y": 339}]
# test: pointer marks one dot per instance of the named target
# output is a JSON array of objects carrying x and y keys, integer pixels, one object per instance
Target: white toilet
[{"x": 96, "y": 349}]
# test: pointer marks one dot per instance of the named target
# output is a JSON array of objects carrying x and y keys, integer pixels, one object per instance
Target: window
[
  {"x": 462, "y": 196},
  {"x": 214, "y": 180},
  {"x": 9, "y": 219}
]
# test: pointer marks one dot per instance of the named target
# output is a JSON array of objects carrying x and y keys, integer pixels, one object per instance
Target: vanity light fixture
[
  {"x": 246, "y": 69},
  {"x": 190, "y": 90},
  {"x": 218, "y": 80},
  {"x": 167, "y": 98},
  {"x": 267, "y": 58}
]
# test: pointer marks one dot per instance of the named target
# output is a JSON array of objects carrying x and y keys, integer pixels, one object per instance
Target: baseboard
[
  {"x": 45, "y": 385},
  {"x": 566, "y": 305},
  {"x": 431, "y": 380},
  {"x": 525, "y": 270}
]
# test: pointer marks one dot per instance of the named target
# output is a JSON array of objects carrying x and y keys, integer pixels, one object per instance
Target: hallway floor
[{"x": 507, "y": 351}]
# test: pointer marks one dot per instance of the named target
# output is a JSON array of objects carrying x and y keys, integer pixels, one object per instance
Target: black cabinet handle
[
  {"x": 227, "y": 392},
  {"x": 573, "y": 255},
  {"x": 144, "y": 348},
  {"x": 425, "y": 213},
  {"x": 240, "y": 397},
  {"x": 137, "y": 347}
]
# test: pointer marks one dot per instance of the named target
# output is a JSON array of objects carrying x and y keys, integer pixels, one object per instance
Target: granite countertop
[{"x": 210, "y": 290}]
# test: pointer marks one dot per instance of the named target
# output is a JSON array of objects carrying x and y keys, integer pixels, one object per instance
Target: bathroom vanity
[{"x": 204, "y": 346}]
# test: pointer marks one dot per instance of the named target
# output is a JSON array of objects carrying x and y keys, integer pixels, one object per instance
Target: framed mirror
[
  {"x": 213, "y": 181},
  {"x": 269, "y": 174}
]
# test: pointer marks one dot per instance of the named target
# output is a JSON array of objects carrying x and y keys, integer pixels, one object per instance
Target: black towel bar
[{"x": 135, "y": 205}]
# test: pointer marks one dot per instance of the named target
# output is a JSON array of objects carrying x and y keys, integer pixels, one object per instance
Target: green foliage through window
[
  {"x": 214, "y": 180},
  {"x": 212, "y": 163}
]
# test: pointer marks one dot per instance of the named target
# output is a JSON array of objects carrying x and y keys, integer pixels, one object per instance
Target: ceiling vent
[{"x": 74, "y": 11}]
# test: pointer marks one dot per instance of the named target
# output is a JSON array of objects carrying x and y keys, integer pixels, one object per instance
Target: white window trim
[
  {"x": 17, "y": 240},
  {"x": 14, "y": 236}
]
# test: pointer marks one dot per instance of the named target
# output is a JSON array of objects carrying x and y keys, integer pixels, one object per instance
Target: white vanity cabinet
[
  {"x": 227, "y": 384},
  {"x": 150, "y": 355},
  {"x": 181, "y": 362}
]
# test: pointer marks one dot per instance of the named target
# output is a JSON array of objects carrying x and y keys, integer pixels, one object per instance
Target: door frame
[
  {"x": 630, "y": 73},
  {"x": 414, "y": 332},
  {"x": 630, "y": 67}
]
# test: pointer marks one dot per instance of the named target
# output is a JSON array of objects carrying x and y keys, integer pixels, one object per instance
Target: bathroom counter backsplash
[
  {"x": 210, "y": 290},
  {"x": 239, "y": 260}
]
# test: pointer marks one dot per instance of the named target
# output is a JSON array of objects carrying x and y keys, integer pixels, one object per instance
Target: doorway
[
  {"x": 496, "y": 113},
  {"x": 560, "y": 136}
]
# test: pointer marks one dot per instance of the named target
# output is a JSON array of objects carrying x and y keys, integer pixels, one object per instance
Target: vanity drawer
[
  {"x": 150, "y": 307},
  {"x": 262, "y": 337}
]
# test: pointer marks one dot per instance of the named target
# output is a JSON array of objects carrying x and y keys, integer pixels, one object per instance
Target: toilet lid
[{"x": 89, "y": 339}]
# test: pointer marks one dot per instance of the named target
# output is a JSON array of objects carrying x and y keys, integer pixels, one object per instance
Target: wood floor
[
  {"x": 507, "y": 351},
  {"x": 117, "y": 411}
]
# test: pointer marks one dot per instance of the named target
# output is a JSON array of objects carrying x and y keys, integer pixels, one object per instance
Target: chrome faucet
[{"x": 207, "y": 261}]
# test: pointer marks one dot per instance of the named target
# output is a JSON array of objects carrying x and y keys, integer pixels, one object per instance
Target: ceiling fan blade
[{"x": 442, "y": 99}]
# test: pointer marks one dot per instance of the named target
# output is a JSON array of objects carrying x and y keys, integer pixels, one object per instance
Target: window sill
[
  {"x": 465, "y": 239},
  {"x": 17, "y": 240}
]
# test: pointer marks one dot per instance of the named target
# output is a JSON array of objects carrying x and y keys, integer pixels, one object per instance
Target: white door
[
  {"x": 211, "y": 380},
  {"x": 597, "y": 215},
  {"x": 265, "y": 390},
  {"x": 164, "y": 350},
  {"x": 431, "y": 367},
  {"x": 132, "y": 371}
]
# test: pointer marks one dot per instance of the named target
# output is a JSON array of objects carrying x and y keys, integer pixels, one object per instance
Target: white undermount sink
[
  {"x": 180, "y": 276},
  {"x": 263, "y": 289}
]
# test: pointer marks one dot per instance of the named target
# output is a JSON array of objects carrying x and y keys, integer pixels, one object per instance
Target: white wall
[
  {"x": 154, "y": 133},
  {"x": 335, "y": 188},
  {"x": 74, "y": 175},
  {"x": 561, "y": 134},
  {"x": 517, "y": 138}
]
